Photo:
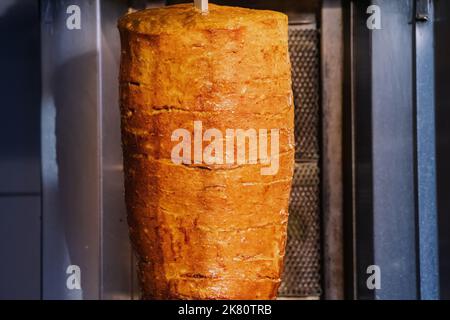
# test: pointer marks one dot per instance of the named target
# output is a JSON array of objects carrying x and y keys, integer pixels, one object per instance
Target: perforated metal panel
[
  {"x": 302, "y": 268},
  {"x": 301, "y": 277},
  {"x": 304, "y": 52}
]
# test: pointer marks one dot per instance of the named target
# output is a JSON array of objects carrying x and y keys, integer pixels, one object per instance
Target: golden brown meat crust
[{"x": 210, "y": 231}]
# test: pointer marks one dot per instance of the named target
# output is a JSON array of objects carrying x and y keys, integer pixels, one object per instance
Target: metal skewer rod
[{"x": 201, "y": 5}]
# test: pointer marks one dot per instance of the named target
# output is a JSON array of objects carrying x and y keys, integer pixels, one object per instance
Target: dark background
[{"x": 20, "y": 183}]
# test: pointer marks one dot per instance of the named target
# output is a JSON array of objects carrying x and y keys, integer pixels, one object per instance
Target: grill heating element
[{"x": 301, "y": 276}]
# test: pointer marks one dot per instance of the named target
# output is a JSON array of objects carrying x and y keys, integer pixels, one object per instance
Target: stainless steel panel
[
  {"x": 118, "y": 268},
  {"x": 426, "y": 150},
  {"x": 383, "y": 185},
  {"x": 393, "y": 152},
  {"x": 332, "y": 81},
  {"x": 84, "y": 218},
  {"x": 70, "y": 151}
]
